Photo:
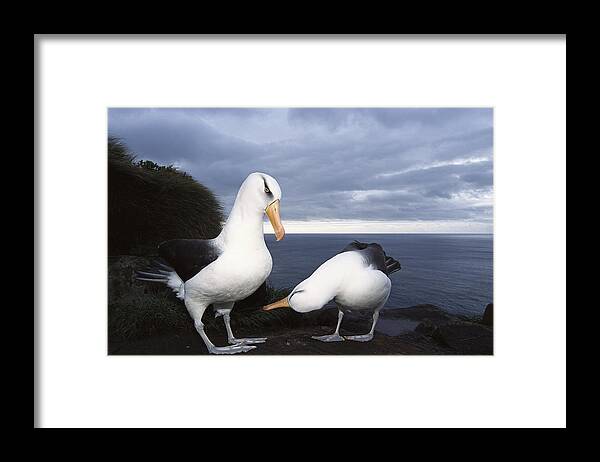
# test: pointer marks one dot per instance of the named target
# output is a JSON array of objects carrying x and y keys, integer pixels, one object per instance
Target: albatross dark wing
[
  {"x": 391, "y": 265},
  {"x": 374, "y": 255},
  {"x": 188, "y": 256}
]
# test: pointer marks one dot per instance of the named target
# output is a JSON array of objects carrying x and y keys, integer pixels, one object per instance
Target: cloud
[
  {"x": 453, "y": 162},
  {"x": 372, "y": 165}
]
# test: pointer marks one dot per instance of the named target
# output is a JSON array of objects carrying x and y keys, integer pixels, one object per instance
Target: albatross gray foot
[
  {"x": 247, "y": 341},
  {"x": 335, "y": 337},
  {"x": 226, "y": 350},
  {"x": 196, "y": 311},
  {"x": 330, "y": 338},
  {"x": 366, "y": 337},
  {"x": 360, "y": 338},
  {"x": 238, "y": 341},
  {"x": 230, "y": 350}
]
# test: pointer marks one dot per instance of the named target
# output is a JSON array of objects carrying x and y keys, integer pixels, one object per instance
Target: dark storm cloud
[{"x": 360, "y": 164}]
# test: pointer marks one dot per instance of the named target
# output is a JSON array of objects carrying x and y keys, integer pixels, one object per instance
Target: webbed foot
[
  {"x": 360, "y": 338},
  {"x": 329, "y": 338},
  {"x": 231, "y": 349},
  {"x": 247, "y": 341}
]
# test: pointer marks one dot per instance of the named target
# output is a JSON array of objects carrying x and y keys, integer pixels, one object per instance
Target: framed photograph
[
  {"x": 317, "y": 230},
  {"x": 288, "y": 223}
]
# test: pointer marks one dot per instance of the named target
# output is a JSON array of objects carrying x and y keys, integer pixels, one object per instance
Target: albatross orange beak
[
  {"x": 272, "y": 212},
  {"x": 283, "y": 303}
]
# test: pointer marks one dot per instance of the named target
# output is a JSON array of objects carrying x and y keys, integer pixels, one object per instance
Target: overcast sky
[{"x": 340, "y": 170}]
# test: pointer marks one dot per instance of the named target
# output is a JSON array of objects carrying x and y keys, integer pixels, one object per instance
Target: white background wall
[{"x": 523, "y": 384}]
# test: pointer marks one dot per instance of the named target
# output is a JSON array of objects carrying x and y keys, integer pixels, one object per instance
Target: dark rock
[
  {"x": 419, "y": 313},
  {"x": 488, "y": 315},
  {"x": 456, "y": 338},
  {"x": 465, "y": 337},
  {"x": 426, "y": 328},
  {"x": 429, "y": 317},
  {"x": 296, "y": 341}
]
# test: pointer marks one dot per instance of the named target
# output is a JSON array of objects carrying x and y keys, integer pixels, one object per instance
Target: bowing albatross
[
  {"x": 356, "y": 279},
  {"x": 225, "y": 269}
]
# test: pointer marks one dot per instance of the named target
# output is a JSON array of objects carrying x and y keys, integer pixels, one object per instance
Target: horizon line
[
  {"x": 381, "y": 227},
  {"x": 379, "y": 232}
]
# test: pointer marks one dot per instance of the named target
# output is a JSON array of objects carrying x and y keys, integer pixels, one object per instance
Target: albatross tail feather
[
  {"x": 159, "y": 271},
  {"x": 392, "y": 265}
]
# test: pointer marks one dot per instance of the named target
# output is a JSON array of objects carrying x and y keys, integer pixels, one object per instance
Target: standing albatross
[
  {"x": 225, "y": 269},
  {"x": 356, "y": 279}
]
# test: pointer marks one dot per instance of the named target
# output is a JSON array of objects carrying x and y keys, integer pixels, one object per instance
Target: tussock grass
[
  {"x": 156, "y": 311},
  {"x": 139, "y": 315},
  {"x": 149, "y": 203}
]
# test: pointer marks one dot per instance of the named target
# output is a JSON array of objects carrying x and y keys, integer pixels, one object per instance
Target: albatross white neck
[{"x": 244, "y": 224}]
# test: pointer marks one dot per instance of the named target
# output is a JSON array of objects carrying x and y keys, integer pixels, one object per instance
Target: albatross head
[
  {"x": 310, "y": 295},
  {"x": 263, "y": 191},
  {"x": 300, "y": 300}
]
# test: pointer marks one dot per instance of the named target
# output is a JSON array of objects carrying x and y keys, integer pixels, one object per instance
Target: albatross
[
  {"x": 357, "y": 279},
  {"x": 225, "y": 269}
]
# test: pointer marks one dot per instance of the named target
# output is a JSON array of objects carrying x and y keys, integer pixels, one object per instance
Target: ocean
[{"x": 452, "y": 271}]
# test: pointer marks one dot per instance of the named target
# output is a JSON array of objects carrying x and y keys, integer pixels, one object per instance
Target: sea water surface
[{"x": 452, "y": 271}]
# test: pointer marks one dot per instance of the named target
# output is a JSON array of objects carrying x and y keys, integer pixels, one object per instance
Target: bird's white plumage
[
  {"x": 245, "y": 261},
  {"x": 242, "y": 265},
  {"x": 346, "y": 279},
  {"x": 235, "y": 275},
  {"x": 353, "y": 280},
  {"x": 176, "y": 284}
]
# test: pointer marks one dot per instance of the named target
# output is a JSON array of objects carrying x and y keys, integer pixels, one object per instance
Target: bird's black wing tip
[{"x": 392, "y": 266}]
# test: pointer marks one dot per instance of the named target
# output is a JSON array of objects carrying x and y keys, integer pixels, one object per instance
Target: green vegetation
[
  {"x": 140, "y": 313},
  {"x": 149, "y": 203},
  {"x": 134, "y": 316}
]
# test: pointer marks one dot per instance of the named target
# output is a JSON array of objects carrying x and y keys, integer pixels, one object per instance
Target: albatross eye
[{"x": 267, "y": 190}]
